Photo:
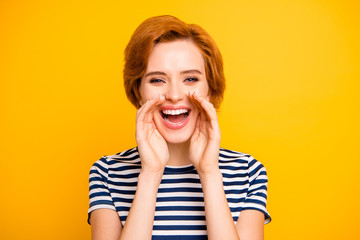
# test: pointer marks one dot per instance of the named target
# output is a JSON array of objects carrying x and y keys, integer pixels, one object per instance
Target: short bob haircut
[{"x": 166, "y": 29}]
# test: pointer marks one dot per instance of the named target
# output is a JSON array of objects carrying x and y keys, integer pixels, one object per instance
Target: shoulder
[
  {"x": 127, "y": 157},
  {"x": 242, "y": 160}
]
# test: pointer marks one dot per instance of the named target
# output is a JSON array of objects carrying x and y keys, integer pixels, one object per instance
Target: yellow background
[{"x": 292, "y": 71}]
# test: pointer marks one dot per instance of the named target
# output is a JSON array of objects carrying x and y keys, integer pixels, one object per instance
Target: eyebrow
[{"x": 193, "y": 71}]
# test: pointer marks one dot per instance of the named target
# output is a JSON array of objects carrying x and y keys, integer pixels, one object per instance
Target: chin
[{"x": 178, "y": 138}]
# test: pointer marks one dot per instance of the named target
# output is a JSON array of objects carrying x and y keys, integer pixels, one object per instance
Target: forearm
[
  {"x": 219, "y": 222},
  {"x": 139, "y": 223}
]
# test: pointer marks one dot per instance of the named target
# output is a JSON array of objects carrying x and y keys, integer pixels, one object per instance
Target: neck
[{"x": 179, "y": 154}]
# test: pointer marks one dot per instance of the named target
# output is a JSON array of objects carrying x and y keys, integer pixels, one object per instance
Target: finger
[
  {"x": 203, "y": 123},
  {"x": 195, "y": 101},
  {"x": 143, "y": 113},
  {"x": 209, "y": 110},
  {"x": 206, "y": 107},
  {"x": 197, "y": 128}
]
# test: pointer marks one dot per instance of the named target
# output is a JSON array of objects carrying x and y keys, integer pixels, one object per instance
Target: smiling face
[{"x": 175, "y": 69}]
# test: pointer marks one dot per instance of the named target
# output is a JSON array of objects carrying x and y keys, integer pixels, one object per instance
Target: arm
[
  {"x": 220, "y": 224},
  {"x": 139, "y": 223},
  {"x": 204, "y": 154},
  {"x": 219, "y": 221},
  {"x": 250, "y": 225},
  {"x": 106, "y": 225},
  {"x": 154, "y": 156}
]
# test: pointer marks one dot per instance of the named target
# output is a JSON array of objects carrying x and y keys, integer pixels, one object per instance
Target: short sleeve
[
  {"x": 257, "y": 194},
  {"x": 99, "y": 194}
]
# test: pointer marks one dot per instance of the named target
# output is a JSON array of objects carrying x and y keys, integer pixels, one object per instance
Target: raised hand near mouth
[
  {"x": 205, "y": 141},
  {"x": 152, "y": 146}
]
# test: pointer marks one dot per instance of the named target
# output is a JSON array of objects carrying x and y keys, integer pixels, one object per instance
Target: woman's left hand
[{"x": 205, "y": 141}]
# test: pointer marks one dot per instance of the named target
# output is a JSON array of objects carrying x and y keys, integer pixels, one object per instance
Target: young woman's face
[{"x": 175, "y": 69}]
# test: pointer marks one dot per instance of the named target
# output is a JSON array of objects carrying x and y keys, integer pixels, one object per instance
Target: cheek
[{"x": 147, "y": 94}]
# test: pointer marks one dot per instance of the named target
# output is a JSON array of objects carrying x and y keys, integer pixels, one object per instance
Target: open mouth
[{"x": 175, "y": 116}]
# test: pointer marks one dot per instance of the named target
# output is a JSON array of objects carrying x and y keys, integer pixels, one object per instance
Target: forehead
[{"x": 177, "y": 55}]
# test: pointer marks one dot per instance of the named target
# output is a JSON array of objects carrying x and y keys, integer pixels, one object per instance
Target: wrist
[
  {"x": 150, "y": 176},
  {"x": 212, "y": 173}
]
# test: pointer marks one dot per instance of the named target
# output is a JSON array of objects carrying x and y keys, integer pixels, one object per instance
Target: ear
[{"x": 141, "y": 101}]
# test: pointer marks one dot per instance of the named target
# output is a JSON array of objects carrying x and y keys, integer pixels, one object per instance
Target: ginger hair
[{"x": 166, "y": 29}]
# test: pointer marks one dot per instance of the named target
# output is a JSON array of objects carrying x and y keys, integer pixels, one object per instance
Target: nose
[{"x": 174, "y": 92}]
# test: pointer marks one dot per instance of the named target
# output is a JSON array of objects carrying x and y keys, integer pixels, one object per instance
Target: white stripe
[
  {"x": 181, "y": 194},
  {"x": 180, "y": 204},
  {"x": 98, "y": 190},
  {"x": 93, "y": 199},
  {"x": 176, "y": 176},
  {"x": 124, "y": 180},
  {"x": 122, "y": 204},
  {"x": 124, "y": 188},
  {"x": 124, "y": 172},
  {"x": 180, "y": 185},
  {"x": 100, "y": 206}
]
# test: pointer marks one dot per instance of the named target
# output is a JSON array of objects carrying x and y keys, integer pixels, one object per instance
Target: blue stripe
[
  {"x": 237, "y": 168},
  {"x": 124, "y": 176},
  {"x": 126, "y": 184},
  {"x": 179, "y": 237},
  {"x": 189, "y": 169},
  {"x": 235, "y": 200},
  {"x": 127, "y": 159},
  {"x": 180, "y": 227},
  {"x": 122, "y": 208},
  {"x": 226, "y": 175},
  {"x": 181, "y": 180},
  {"x": 99, "y": 194},
  {"x": 127, "y": 167},
  {"x": 237, "y": 183},
  {"x": 97, "y": 186},
  {"x": 116, "y": 199},
  {"x": 180, "y": 208},
  {"x": 129, "y": 192},
  {"x": 235, "y": 191},
  {"x": 180, "y": 199},
  {"x": 232, "y": 160},
  {"x": 179, "y": 218},
  {"x": 128, "y": 152},
  {"x": 101, "y": 202},
  {"x": 184, "y": 189},
  {"x": 96, "y": 178}
]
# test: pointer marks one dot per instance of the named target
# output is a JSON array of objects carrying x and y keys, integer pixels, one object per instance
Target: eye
[
  {"x": 156, "y": 80},
  {"x": 191, "y": 79}
]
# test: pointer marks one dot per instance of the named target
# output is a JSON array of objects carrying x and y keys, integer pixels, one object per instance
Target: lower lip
[{"x": 178, "y": 125}]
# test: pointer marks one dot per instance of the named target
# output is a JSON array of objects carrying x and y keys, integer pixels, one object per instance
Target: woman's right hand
[{"x": 152, "y": 147}]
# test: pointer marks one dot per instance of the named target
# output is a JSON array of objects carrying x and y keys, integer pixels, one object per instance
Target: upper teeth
[{"x": 175, "y": 112}]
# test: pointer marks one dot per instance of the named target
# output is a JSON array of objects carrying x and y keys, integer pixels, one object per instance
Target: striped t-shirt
[{"x": 179, "y": 212}]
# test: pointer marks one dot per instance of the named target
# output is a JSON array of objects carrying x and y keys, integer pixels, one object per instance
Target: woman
[{"x": 177, "y": 183}]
